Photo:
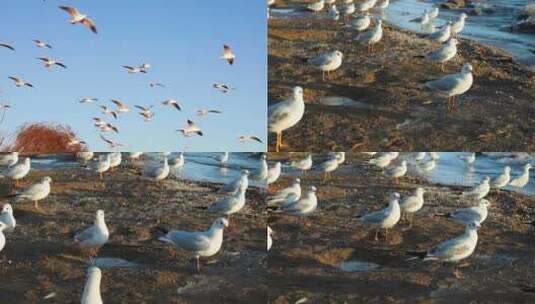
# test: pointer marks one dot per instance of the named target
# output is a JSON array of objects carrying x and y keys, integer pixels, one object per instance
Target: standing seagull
[
  {"x": 9, "y": 159},
  {"x": 327, "y": 62},
  {"x": 454, "y": 250},
  {"x": 445, "y": 53},
  {"x": 77, "y": 17},
  {"x": 18, "y": 171},
  {"x": 91, "y": 293},
  {"x": 503, "y": 179},
  {"x": 157, "y": 173},
  {"x": 95, "y": 236},
  {"x": 2, "y": 236},
  {"x": 228, "y": 55},
  {"x": 328, "y": 166},
  {"x": 200, "y": 244},
  {"x": 286, "y": 114},
  {"x": 305, "y": 206},
  {"x": 230, "y": 204},
  {"x": 468, "y": 159},
  {"x": 481, "y": 190},
  {"x": 385, "y": 218},
  {"x": 274, "y": 173},
  {"x": 453, "y": 85},
  {"x": 477, "y": 214},
  {"x": 458, "y": 24},
  {"x": 397, "y": 171},
  {"x": 523, "y": 179},
  {"x": 302, "y": 164},
  {"x": 35, "y": 192},
  {"x": 412, "y": 204},
  {"x": 6, "y": 217},
  {"x": 234, "y": 186},
  {"x": 442, "y": 35},
  {"x": 281, "y": 195},
  {"x": 372, "y": 36},
  {"x": 103, "y": 164}
]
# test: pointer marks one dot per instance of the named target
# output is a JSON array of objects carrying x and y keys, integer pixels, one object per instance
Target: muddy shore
[
  {"x": 39, "y": 258},
  {"x": 390, "y": 108},
  {"x": 308, "y": 253}
]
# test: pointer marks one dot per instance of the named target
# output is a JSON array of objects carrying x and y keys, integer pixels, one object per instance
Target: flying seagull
[
  {"x": 156, "y": 84},
  {"x": 223, "y": 88},
  {"x": 134, "y": 70},
  {"x": 47, "y": 62},
  {"x": 244, "y": 138},
  {"x": 42, "y": 44},
  {"x": 172, "y": 103},
  {"x": 77, "y": 17},
  {"x": 88, "y": 100},
  {"x": 20, "y": 82},
  {"x": 7, "y": 46},
  {"x": 121, "y": 106},
  {"x": 228, "y": 55},
  {"x": 204, "y": 112},
  {"x": 112, "y": 144},
  {"x": 191, "y": 129}
]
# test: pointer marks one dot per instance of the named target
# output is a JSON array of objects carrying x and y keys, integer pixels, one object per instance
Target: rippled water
[
  {"x": 451, "y": 170},
  {"x": 197, "y": 167},
  {"x": 488, "y": 28}
]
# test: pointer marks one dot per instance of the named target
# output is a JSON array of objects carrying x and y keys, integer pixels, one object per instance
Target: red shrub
[{"x": 44, "y": 138}]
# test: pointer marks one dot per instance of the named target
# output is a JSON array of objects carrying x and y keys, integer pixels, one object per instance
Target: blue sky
[{"x": 182, "y": 40}]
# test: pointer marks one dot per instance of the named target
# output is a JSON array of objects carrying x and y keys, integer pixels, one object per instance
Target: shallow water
[
  {"x": 198, "y": 166},
  {"x": 357, "y": 266},
  {"x": 450, "y": 170},
  {"x": 488, "y": 28}
]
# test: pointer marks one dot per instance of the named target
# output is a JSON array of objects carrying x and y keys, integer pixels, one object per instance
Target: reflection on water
[
  {"x": 451, "y": 170},
  {"x": 357, "y": 266},
  {"x": 198, "y": 166}
]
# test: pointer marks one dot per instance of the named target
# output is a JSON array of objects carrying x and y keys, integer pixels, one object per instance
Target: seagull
[
  {"x": 458, "y": 24},
  {"x": 156, "y": 84},
  {"x": 305, "y": 206},
  {"x": 326, "y": 62},
  {"x": 177, "y": 162},
  {"x": 20, "y": 82},
  {"x": 477, "y": 214},
  {"x": 279, "y": 196},
  {"x": 172, "y": 103},
  {"x": 382, "y": 4},
  {"x": 302, "y": 164},
  {"x": 334, "y": 13},
  {"x": 47, "y": 62},
  {"x": 6, "y": 217},
  {"x": 385, "y": 218},
  {"x": 442, "y": 35},
  {"x": 397, "y": 171},
  {"x": 145, "y": 112},
  {"x": 523, "y": 179},
  {"x": 121, "y": 107},
  {"x": 229, "y": 204},
  {"x": 348, "y": 8},
  {"x": 157, "y": 173},
  {"x": 9, "y": 159},
  {"x": 103, "y": 164},
  {"x": 88, "y": 100},
  {"x": 106, "y": 110},
  {"x": 286, "y": 114},
  {"x": 35, "y": 192},
  {"x": 204, "y": 112},
  {"x": 107, "y": 127},
  {"x": 222, "y": 158},
  {"x": 73, "y": 141},
  {"x": 200, "y": 244},
  {"x": 328, "y": 166},
  {"x": 134, "y": 70},
  {"x": 372, "y": 36},
  {"x": 144, "y": 67},
  {"x": 269, "y": 239},
  {"x": 383, "y": 160},
  {"x": 453, "y": 250},
  {"x": 274, "y": 173},
  {"x": 503, "y": 179},
  {"x": 412, "y": 204},
  {"x": 433, "y": 14},
  {"x": 17, "y": 171},
  {"x": 423, "y": 19},
  {"x": 443, "y": 54},
  {"x": 42, "y": 44},
  {"x": 340, "y": 156},
  {"x": 77, "y": 17},
  {"x": 262, "y": 172},
  {"x": 94, "y": 237},
  {"x": 223, "y": 88},
  {"x": 419, "y": 156},
  {"x": 241, "y": 182},
  {"x": 481, "y": 190},
  {"x": 468, "y": 159},
  {"x": 228, "y": 55},
  {"x": 84, "y": 156},
  {"x": 453, "y": 84},
  {"x": 111, "y": 144},
  {"x": 366, "y": 5},
  {"x": 428, "y": 165},
  {"x": 7, "y": 46},
  {"x": 191, "y": 129},
  {"x": 360, "y": 22},
  {"x": 91, "y": 293},
  {"x": 115, "y": 160},
  {"x": 2, "y": 236},
  {"x": 244, "y": 138},
  {"x": 315, "y": 6}
]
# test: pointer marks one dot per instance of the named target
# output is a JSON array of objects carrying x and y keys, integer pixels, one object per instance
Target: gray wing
[
  {"x": 277, "y": 112},
  {"x": 320, "y": 60},
  {"x": 33, "y": 190},
  {"x": 446, "y": 84},
  {"x": 87, "y": 234},
  {"x": 374, "y": 217},
  {"x": 190, "y": 241},
  {"x": 449, "y": 248},
  {"x": 222, "y": 205}
]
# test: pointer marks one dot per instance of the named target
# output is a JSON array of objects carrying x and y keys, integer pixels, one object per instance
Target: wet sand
[
  {"x": 393, "y": 110},
  {"x": 305, "y": 258},
  {"x": 39, "y": 258}
]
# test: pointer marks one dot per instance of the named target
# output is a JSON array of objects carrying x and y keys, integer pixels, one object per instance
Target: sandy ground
[
  {"x": 394, "y": 110},
  {"x": 39, "y": 258},
  {"x": 305, "y": 258}
]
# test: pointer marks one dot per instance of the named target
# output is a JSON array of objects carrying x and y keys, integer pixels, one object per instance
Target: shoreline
[
  {"x": 391, "y": 110},
  {"x": 331, "y": 236}
]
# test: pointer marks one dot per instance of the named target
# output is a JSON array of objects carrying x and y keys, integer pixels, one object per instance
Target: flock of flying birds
[
  {"x": 286, "y": 114},
  {"x": 292, "y": 201},
  {"x": 197, "y": 243},
  {"x": 119, "y": 107}
]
